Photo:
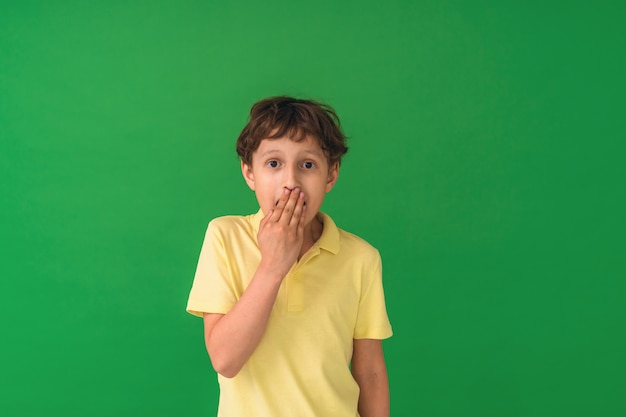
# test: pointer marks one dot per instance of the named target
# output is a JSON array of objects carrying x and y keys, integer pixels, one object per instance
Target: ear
[
  {"x": 333, "y": 175},
  {"x": 246, "y": 171}
]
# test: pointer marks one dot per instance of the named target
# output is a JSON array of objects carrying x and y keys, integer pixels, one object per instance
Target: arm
[
  {"x": 370, "y": 372},
  {"x": 231, "y": 338}
]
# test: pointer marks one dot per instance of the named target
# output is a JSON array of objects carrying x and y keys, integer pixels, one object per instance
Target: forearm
[
  {"x": 370, "y": 373},
  {"x": 374, "y": 396},
  {"x": 232, "y": 338}
]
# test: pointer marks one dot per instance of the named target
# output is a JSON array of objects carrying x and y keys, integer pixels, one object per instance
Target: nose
[{"x": 291, "y": 178}]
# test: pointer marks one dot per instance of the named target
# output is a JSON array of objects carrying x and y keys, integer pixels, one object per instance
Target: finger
[
  {"x": 287, "y": 213},
  {"x": 266, "y": 218},
  {"x": 280, "y": 204},
  {"x": 298, "y": 211},
  {"x": 300, "y": 231}
]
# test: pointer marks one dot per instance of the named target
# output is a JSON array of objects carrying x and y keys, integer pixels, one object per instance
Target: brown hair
[{"x": 277, "y": 117}]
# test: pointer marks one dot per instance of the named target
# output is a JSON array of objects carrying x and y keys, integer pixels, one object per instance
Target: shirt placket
[{"x": 295, "y": 284}]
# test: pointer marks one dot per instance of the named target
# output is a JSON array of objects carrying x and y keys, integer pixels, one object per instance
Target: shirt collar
[
  {"x": 329, "y": 240},
  {"x": 330, "y": 234}
]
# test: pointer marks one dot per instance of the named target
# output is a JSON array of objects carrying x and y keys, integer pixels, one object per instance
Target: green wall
[{"x": 486, "y": 163}]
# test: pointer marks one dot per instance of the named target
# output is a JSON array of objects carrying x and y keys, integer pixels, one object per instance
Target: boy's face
[{"x": 282, "y": 163}]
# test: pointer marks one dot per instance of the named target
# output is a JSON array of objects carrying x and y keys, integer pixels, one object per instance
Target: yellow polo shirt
[{"x": 333, "y": 295}]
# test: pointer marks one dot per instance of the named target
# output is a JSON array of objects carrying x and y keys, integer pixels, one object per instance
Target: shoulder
[
  {"x": 227, "y": 222},
  {"x": 355, "y": 246},
  {"x": 353, "y": 242},
  {"x": 361, "y": 258},
  {"x": 230, "y": 225}
]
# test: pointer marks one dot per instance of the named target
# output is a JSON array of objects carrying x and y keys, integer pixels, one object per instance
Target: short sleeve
[
  {"x": 372, "y": 319},
  {"x": 212, "y": 289}
]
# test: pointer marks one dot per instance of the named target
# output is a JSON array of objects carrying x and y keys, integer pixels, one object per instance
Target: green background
[{"x": 486, "y": 163}]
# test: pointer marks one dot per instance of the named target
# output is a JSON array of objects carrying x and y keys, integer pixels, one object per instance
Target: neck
[{"x": 312, "y": 234}]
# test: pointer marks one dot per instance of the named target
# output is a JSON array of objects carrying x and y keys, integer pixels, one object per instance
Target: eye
[
  {"x": 272, "y": 164},
  {"x": 308, "y": 165}
]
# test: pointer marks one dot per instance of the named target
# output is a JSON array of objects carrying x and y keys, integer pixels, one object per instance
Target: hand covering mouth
[{"x": 277, "y": 201}]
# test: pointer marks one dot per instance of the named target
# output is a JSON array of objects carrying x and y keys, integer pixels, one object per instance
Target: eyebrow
[{"x": 307, "y": 151}]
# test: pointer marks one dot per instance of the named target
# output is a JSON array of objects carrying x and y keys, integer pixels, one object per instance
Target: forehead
[{"x": 288, "y": 146}]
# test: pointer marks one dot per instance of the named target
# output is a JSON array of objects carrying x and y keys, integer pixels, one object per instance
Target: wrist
[{"x": 272, "y": 272}]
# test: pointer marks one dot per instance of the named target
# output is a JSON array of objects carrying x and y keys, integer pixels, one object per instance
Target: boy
[{"x": 293, "y": 307}]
